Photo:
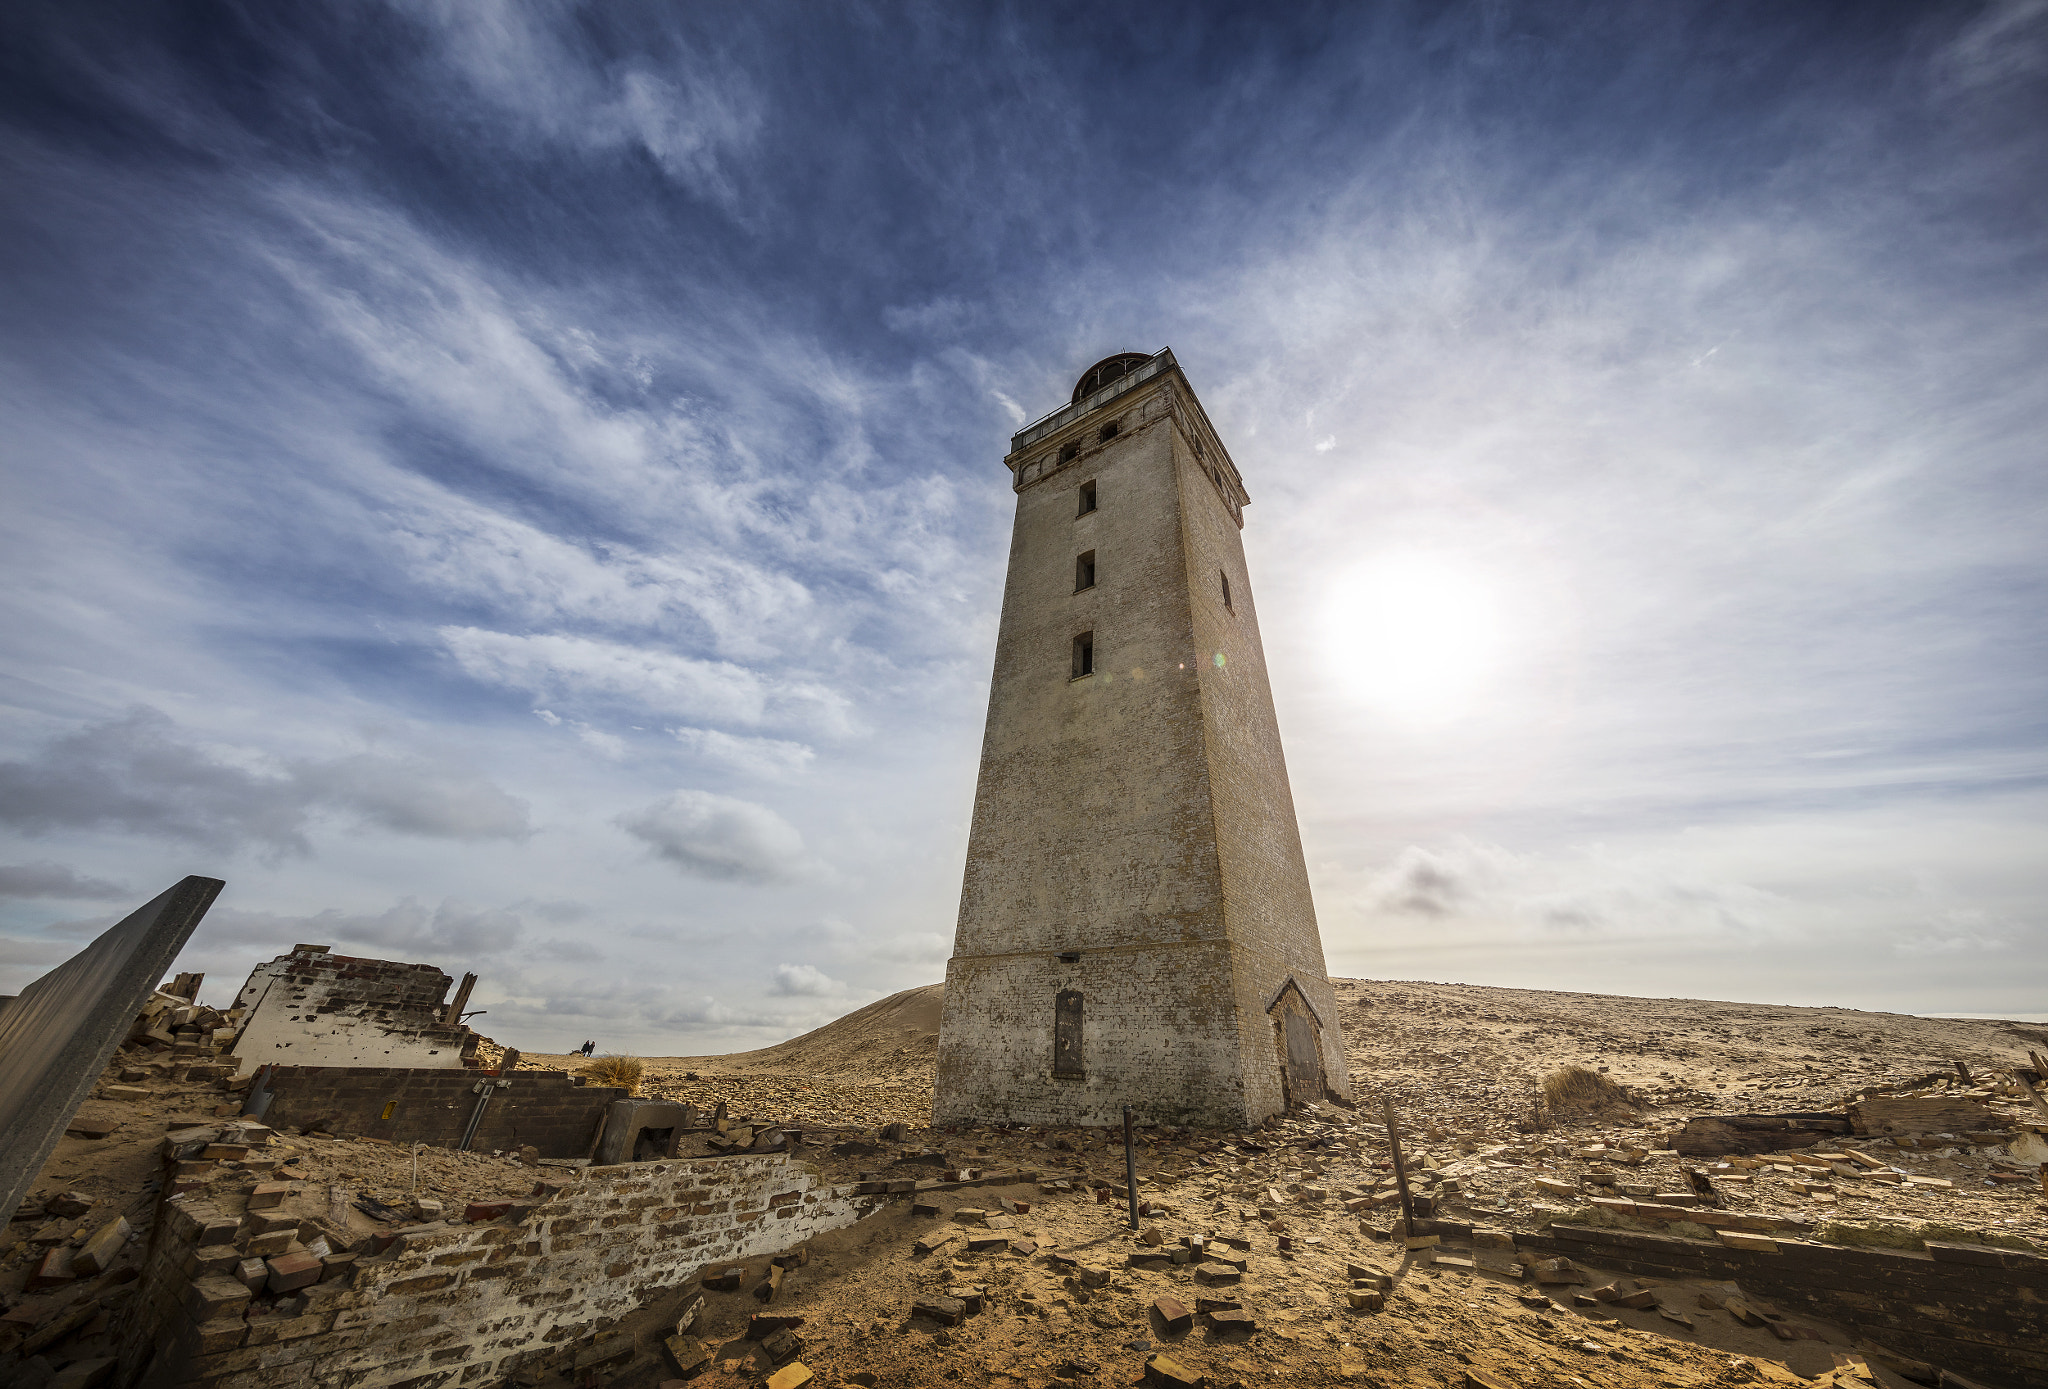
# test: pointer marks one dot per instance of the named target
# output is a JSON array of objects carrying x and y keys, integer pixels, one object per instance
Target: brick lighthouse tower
[{"x": 1135, "y": 923}]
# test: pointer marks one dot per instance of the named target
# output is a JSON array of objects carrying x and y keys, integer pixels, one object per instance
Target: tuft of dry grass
[
  {"x": 616, "y": 1070},
  {"x": 1576, "y": 1090}
]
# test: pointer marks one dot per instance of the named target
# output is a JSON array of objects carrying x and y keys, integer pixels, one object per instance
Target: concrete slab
[{"x": 58, "y": 1035}]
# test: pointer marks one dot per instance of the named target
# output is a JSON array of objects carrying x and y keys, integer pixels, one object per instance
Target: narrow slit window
[
  {"x": 1066, "y": 1034},
  {"x": 1084, "y": 655},
  {"x": 1106, "y": 433},
  {"x": 1226, "y": 586},
  {"x": 1087, "y": 498},
  {"x": 1084, "y": 571}
]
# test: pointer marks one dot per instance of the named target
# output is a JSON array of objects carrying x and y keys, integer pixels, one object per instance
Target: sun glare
[{"x": 1416, "y": 635}]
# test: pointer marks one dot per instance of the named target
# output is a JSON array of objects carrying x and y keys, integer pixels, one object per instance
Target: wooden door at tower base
[
  {"x": 1298, "y": 1037},
  {"x": 1304, "y": 1060}
]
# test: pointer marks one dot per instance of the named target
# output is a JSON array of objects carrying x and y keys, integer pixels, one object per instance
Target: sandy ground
[{"x": 1462, "y": 1065}]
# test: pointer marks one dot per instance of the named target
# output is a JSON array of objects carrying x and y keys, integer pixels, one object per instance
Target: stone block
[
  {"x": 1217, "y": 1273},
  {"x": 220, "y": 1335},
  {"x": 213, "y": 1296},
  {"x": 947, "y": 1311},
  {"x": 794, "y": 1375},
  {"x": 1365, "y": 1299},
  {"x": 477, "y": 1211},
  {"x": 1173, "y": 1314},
  {"x": 290, "y": 1272},
  {"x": 689, "y": 1354},
  {"x": 276, "y": 1242},
  {"x": 936, "y": 1240},
  {"x": 265, "y": 1195},
  {"x": 53, "y": 1270},
  {"x": 97, "y": 1254},
  {"x": 251, "y": 1273},
  {"x": 85, "y": 1374},
  {"x": 1164, "y": 1370},
  {"x": 780, "y": 1346}
]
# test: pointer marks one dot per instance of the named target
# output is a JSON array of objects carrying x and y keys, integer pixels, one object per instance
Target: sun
[{"x": 1417, "y": 635}]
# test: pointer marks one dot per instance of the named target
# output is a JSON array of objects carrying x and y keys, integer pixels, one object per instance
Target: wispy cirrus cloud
[{"x": 575, "y": 404}]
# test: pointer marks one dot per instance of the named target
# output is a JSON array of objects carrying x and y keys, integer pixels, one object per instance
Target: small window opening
[
  {"x": 1226, "y": 587},
  {"x": 1071, "y": 451},
  {"x": 1084, "y": 571},
  {"x": 1084, "y": 655},
  {"x": 1066, "y": 1035},
  {"x": 650, "y": 1144},
  {"x": 1070, "y": 957},
  {"x": 1107, "y": 433},
  {"x": 1087, "y": 498}
]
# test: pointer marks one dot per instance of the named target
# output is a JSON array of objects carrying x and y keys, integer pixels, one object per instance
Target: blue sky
[{"x": 519, "y": 486}]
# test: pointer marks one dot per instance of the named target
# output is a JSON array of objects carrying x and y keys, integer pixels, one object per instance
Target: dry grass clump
[
  {"x": 616, "y": 1070},
  {"x": 1576, "y": 1090}
]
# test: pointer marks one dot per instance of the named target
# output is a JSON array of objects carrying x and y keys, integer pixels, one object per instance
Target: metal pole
[
  {"x": 1130, "y": 1168},
  {"x": 476, "y": 1116},
  {"x": 1400, "y": 1169}
]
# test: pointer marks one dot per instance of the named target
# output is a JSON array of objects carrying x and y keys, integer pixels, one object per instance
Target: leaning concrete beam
[{"x": 60, "y": 1032}]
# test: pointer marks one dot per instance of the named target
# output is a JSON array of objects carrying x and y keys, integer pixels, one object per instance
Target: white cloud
[
  {"x": 525, "y": 62},
  {"x": 50, "y": 881},
  {"x": 762, "y": 757},
  {"x": 806, "y": 981},
  {"x": 142, "y": 774},
  {"x": 561, "y": 668},
  {"x": 1584, "y": 892},
  {"x": 711, "y": 836}
]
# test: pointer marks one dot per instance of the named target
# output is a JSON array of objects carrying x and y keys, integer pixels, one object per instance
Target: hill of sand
[
  {"x": 1466, "y": 1056},
  {"x": 893, "y": 1034}
]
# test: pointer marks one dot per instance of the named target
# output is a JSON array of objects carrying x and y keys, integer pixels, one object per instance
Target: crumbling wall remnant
[
  {"x": 467, "y": 1303},
  {"x": 315, "y": 1008}
]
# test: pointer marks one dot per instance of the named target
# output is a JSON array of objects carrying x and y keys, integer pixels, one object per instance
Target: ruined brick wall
[
  {"x": 315, "y": 1008},
  {"x": 1139, "y": 818},
  {"x": 545, "y": 1109},
  {"x": 451, "y": 1303},
  {"x": 1967, "y": 1308}
]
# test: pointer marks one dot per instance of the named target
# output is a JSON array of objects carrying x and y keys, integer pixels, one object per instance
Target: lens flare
[{"x": 1418, "y": 635}]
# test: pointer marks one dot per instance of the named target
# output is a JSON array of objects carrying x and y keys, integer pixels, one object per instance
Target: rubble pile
[{"x": 1279, "y": 1255}]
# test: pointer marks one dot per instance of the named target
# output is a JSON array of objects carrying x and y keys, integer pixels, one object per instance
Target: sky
[{"x": 519, "y": 486}]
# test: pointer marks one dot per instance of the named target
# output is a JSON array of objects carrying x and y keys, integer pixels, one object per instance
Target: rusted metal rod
[
  {"x": 1400, "y": 1169},
  {"x": 1130, "y": 1168}
]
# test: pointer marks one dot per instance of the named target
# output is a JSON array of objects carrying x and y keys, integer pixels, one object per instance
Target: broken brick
[{"x": 290, "y": 1272}]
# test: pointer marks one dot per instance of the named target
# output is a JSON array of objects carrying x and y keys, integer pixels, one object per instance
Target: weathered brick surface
[
  {"x": 1139, "y": 817},
  {"x": 544, "y": 1109},
  {"x": 486, "y": 1297}
]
